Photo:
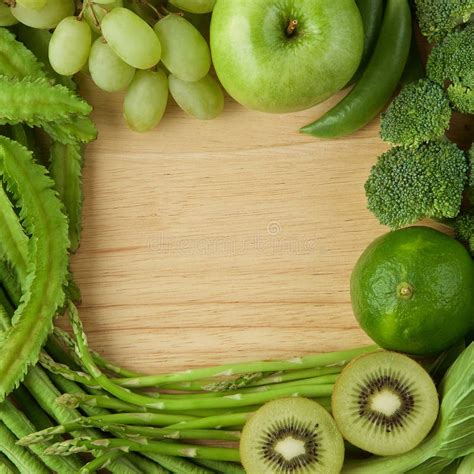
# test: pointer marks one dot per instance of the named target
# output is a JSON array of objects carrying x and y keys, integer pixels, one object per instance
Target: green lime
[{"x": 413, "y": 291}]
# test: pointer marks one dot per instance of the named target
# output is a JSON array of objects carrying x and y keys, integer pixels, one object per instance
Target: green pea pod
[
  {"x": 378, "y": 82},
  {"x": 371, "y": 12}
]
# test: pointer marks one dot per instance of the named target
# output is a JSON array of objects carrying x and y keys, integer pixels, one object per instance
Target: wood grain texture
[{"x": 207, "y": 242}]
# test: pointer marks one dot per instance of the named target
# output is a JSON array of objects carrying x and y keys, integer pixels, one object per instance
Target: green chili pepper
[
  {"x": 379, "y": 80},
  {"x": 371, "y": 12},
  {"x": 414, "y": 68}
]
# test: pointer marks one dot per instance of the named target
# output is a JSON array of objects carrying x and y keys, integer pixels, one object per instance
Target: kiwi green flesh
[
  {"x": 385, "y": 403},
  {"x": 291, "y": 436}
]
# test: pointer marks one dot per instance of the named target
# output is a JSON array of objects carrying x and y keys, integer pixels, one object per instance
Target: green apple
[{"x": 286, "y": 55}]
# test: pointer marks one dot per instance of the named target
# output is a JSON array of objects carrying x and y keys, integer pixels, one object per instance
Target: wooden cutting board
[{"x": 211, "y": 242}]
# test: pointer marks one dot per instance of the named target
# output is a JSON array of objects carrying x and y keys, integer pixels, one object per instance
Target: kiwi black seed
[
  {"x": 291, "y": 436},
  {"x": 385, "y": 403}
]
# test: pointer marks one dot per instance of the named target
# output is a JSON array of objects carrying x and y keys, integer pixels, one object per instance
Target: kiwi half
[
  {"x": 291, "y": 436},
  {"x": 384, "y": 403}
]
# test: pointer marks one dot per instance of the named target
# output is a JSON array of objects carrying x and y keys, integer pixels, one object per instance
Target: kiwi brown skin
[
  {"x": 291, "y": 436},
  {"x": 384, "y": 403}
]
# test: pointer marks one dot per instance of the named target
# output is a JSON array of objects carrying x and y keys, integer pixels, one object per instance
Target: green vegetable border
[{"x": 133, "y": 423}]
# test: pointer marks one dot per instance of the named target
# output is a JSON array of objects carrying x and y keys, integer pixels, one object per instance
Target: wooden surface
[{"x": 234, "y": 239}]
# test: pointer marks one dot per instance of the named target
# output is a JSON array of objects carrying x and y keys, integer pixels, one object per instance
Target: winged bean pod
[
  {"x": 35, "y": 102},
  {"x": 31, "y": 409},
  {"x": 16, "y": 61},
  {"x": 66, "y": 170},
  {"x": 102, "y": 461},
  {"x": 18, "y": 133},
  {"x": 43, "y": 293},
  {"x": 4, "y": 318},
  {"x": 75, "y": 129},
  {"x": 6, "y": 466},
  {"x": 20, "y": 426},
  {"x": 5, "y": 310},
  {"x": 221, "y": 466},
  {"x": 12, "y": 237},
  {"x": 24, "y": 460},
  {"x": 178, "y": 465}
]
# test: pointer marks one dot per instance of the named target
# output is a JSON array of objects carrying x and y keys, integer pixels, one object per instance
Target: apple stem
[{"x": 291, "y": 27}]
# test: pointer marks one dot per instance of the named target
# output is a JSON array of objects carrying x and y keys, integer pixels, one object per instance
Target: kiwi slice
[
  {"x": 291, "y": 436},
  {"x": 384, "y": 403}
]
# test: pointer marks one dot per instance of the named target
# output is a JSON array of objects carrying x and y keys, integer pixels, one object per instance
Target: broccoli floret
[
  {"x": 464, "y": 230},
  {"x": 462, "y": 98},
  {"x": 410, "y": 184},
  {"x": 464, "y": 223},
  {"x": 439, "y": 17},
  {"x": 452, "y": 61},
  {"x": 420, "y": 113},
  {"x": 470, "y": 184}
]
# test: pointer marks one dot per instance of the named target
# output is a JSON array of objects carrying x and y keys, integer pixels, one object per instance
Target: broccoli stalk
[
  {"x": 452, "y": 61},
  {"x": 439, "y": 17}
]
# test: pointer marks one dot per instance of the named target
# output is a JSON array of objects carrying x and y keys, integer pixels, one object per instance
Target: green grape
[
  {"x": 131, "y": 38},
  {"x": 184, "y": 51},
  {"x": 202, "y": 99},
  {"x": 6, "y": 16},
  {"x": 34, "y": 4},
  {"x": 146, "y": 99},
  {"x": 95, "y": 12},
  {"x": 70, "y": 46},
  {"x": 107, "y": 70},
  {"x": 45, "y": 18},
  {"x": 194, "y": 6}
]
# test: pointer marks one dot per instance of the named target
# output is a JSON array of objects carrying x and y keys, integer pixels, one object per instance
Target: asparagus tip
[
  {"x": 69, "y": 400},
  {"x": 65, "y": 448}
]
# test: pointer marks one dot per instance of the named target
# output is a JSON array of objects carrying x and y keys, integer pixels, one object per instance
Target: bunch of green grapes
[{"x": 149, "y": 48}]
